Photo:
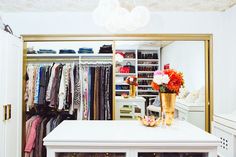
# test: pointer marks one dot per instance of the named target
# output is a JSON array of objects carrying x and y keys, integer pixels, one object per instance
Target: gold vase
[
  {"x": 132, "y": 90},
  {"x": 168, "y": 107}
]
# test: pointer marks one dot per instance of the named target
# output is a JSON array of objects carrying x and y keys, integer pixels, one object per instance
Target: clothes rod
[{"x": 66, "y": 59}]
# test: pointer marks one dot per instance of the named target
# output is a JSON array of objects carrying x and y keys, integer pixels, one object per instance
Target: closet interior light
[{"x": 113, "y": 17}]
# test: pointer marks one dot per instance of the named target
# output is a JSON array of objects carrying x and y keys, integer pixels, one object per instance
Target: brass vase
[
  {"x": 168, "y": 107},
  {"x": 132, "y": 90}
]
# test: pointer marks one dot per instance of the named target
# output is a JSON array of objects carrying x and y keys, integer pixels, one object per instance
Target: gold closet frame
[{"x": 206, "y": 38}]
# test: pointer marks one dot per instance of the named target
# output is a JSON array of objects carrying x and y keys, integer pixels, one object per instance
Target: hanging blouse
[{"x": 31, "y": 70}]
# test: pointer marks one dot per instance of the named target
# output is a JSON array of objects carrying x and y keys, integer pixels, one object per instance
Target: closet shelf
[
  {"x": 124, "y": 83},
  {"x": 144, "y": 86},
  {"x": 155, "y": 60},
  {"x": 148, "y": 64},
  {"x": 139, "y": 90},
  {"x": 125, "y": 74},
  {"x": 67, "y": 55},
  {"x": 144, "y": 72},
  {"x": 122, "y": 90},
  {"x": 147, "y": 95},
  {"x": 145, "y": 78},
  {"x": 129, "y": 59}
]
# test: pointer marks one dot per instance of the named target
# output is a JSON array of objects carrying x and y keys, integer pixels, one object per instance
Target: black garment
[
  {"x": 92, "y": 69},
  {"x": 111, "y": 92},
  {"x": 102, "y": 93}
]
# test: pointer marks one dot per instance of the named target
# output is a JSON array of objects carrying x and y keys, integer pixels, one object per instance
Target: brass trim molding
[{"x": 116, "y": 37}]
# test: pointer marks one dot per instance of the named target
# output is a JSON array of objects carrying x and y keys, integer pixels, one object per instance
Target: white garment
[
  {"x": 62, "y": 90},
  {"x": 31, "y": 70}
]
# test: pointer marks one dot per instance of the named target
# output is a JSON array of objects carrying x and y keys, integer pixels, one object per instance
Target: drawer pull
[
  {"x": 4, "y": 112},
  {"x": 8, "y": 111}
]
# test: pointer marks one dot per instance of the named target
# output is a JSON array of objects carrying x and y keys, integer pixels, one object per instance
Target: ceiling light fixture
[{"x": 113, "y": 17}]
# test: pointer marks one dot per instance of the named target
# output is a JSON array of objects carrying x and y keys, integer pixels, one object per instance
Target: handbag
[
  {"x": 131, "y": 67},
  {"x": 129, "y": 54},
  {"x": 124, "y": 69}
]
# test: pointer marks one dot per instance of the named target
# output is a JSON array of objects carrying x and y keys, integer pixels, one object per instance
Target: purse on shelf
[
  {"x": 129, "y": 54},
  {"x": 131, "y": 67},
  {"x": 124, "y": 69}
]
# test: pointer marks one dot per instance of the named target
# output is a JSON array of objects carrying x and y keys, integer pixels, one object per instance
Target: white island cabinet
[{"x": 128, "y": 139}]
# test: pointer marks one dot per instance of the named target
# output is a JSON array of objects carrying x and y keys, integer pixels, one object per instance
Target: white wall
[
  {"x": 221, "y": 25},
  {"x": 186, "y": 57},
  {"x": 225, "y": 64},
  {"x": 82, "y": 23}
]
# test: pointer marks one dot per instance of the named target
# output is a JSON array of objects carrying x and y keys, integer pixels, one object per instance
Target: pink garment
[
  {"x": 32, "y": 135},
  {"x": 28, "y": 126}
]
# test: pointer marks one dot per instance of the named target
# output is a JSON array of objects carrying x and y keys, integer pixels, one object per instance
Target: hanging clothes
[
  {"x": 57, "y": 92},
  {"x": 37, "y": 127},
  {"x": 97, "y": 92}
]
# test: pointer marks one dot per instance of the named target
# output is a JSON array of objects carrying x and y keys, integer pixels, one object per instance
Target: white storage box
[{"x": 224, "y": 127}]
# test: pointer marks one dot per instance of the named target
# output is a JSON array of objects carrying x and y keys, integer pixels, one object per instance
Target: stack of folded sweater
[{"x": 85, "y": 50}]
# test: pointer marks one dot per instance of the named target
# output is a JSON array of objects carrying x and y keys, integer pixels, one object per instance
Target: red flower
[{"x": 176, "y": 80}]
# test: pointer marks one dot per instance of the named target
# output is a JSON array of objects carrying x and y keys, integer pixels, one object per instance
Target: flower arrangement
[
  {"x": 131, "y": 80},
  {"x": 167, "y": 81}
]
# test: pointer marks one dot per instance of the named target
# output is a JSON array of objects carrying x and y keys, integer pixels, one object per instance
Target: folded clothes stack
[
  {"x": 67, "y": 51},
  {"x": 106, "y": 49},
  {"x": 85, "y": 50},
  {"x": 46, "y": 51},
  {"x": 31, "y": 51}
]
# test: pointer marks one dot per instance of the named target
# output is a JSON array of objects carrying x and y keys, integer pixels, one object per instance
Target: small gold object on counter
[{"x": 150, "y": 121}]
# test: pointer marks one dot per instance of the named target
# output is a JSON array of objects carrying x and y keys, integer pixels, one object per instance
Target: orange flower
[
  {"x": 155, "y": 86},
  {"x": 176, "y": 80}
]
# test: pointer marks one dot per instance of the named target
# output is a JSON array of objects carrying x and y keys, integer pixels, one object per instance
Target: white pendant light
[
  {"x": 110, "y": 15},
  {"x": 140, "y": 15},
  {"x": 102, "y": 13}
]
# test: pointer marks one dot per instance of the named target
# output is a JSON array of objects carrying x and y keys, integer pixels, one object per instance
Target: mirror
[{"x": 139, "y": 59}]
